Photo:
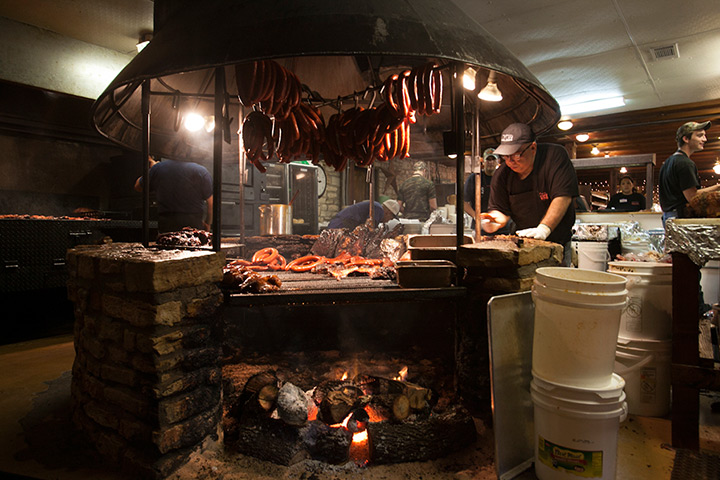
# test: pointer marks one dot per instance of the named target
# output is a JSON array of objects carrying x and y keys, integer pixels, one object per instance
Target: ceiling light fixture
[
  {"x": 193, "y": 122},
  {"x": 592, "y": 105},
  {"x": 595, "y": 150},
  {"x": 582, "y": 137},
  {"x": 469, "y": 79},
  {"x": 565, "y": 125},
  {"x": 144, "y": 41},
  {"x": 716, "y": 167},
  {"x": 622, "y": 169},
  {"x": 491, "y": 92}
]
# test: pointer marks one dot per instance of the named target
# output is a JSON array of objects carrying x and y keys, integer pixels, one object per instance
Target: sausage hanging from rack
[
  {"x": 276, "y": 89},
  {"x": 298, "y": 129}
]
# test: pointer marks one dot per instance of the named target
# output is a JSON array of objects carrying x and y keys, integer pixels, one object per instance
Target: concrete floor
[{"x": 35, "y": 441}]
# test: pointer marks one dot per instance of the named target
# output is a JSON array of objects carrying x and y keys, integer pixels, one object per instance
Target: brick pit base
[{"x": 146, "y": 381}]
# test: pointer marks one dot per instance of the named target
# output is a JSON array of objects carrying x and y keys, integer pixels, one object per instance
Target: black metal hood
[{"x": 318, "y": 35}]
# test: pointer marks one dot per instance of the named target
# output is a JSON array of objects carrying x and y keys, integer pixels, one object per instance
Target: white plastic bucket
[
  {"x": 645, "y": 366},
  {"x": 648, "y": 315},
  {"x": 593, "y": 255},
  {"x": 577, "y": 317},
  {"x": 576, "y": 429}
]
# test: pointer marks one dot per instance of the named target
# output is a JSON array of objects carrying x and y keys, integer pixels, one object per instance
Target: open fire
[{"x": 365, "y": 419}]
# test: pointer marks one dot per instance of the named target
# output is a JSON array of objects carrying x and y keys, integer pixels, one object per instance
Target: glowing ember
[
  {"x": 402, "y": 374},
  {"x": 360, "y": 437}
]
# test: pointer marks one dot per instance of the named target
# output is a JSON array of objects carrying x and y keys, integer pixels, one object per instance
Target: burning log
[
  {"x": 418, "y": 397},
  {"x": 421, "y": 440},
  {"x": 337, "y": 404}
]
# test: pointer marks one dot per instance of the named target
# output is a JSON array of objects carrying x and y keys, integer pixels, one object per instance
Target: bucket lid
[
  {"x": 609, "y": 393},
  {"x": 575, "y": 279},
  {"x": 642, "y": 345},
  {"x": 656, "y": 268}
]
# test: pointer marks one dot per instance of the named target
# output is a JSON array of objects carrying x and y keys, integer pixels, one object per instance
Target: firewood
[
  {"x": 337, "y": 405},
  {"x": 401, "y": 407},
  {"x": 267, "y": 397},
  {"x": 270, "y": 439},
  {"x": 417, "y": 395},
  {"x": 328, "y": 444},
  {"x": 255, "y": 383},
  {"x": 411, "y": 441}
]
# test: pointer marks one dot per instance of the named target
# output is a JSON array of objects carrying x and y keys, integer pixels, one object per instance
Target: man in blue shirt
[
  {"x": 183, "y": 192},
  {"x": 356, "y": 214}
]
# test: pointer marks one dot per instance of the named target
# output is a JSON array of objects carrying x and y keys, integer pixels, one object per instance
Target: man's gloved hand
[{"x": 541, "y": 232}]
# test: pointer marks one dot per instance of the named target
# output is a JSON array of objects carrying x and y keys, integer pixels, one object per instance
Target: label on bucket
[
  {"x": 578, "y": 462},
  {"x": 648, "y": 384},
  {"x": 632, "y": 314}
]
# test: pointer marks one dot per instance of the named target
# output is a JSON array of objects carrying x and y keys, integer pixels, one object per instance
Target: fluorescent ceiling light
[{"x": 592, "y": 105}]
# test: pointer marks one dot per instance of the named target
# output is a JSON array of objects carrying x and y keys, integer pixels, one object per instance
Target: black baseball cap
[{"x": 513, "y": 137}]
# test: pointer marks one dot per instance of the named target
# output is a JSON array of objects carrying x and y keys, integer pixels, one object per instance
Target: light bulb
[
  {"x": 469, "y": 79},
  {"x": 716, "y": 168},
  {"x": 491, "y": 93},
  {"x": 194, "y": 122},
  {"x": 595, "y": 150},
  {"x": 582, "y": 137}
]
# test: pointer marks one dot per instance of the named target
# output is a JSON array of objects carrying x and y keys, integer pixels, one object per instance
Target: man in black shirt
[
  {"x": 535, "y": 187},
  {"x": 679, "y": 180}
]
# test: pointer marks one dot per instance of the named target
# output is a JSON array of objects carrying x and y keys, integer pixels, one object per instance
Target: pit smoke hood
[{"x": 336, "y": 48}]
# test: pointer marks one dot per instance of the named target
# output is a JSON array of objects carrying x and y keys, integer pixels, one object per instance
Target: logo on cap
[{"x": 507, "y": 137}]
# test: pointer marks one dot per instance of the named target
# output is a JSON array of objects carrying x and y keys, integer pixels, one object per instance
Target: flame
[
  {"x": 360, "y": 448},
  {"x": 344, "y": 376},
  {"x": 402, "y": 374}
]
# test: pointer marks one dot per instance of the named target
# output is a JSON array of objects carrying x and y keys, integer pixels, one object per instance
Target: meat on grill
[
  {"x": 246, "y": 280},
  {"x": 187, "y": 237},
  {"x": 361, "y": 241}
]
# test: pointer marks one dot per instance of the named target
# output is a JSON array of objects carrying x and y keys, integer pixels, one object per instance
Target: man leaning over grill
[{"x": 184, "y": 194}]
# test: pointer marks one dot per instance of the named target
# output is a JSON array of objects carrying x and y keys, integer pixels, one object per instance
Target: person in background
[
  {"x": 416, "y": 195},
  {"x": 184, "y": 194},
  {"x": 627, "y": 200},
  {"x": 535, "y": 188},
  {"x": 356, "y": 214},
  {"x": 490, "y": 164},
  {"x": 679, "y": 179}
]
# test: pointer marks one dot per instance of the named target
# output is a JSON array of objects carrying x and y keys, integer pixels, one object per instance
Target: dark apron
[{"x": 527, "y": 208}]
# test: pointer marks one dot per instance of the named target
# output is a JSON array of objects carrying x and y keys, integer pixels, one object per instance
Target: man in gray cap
[
  {"x": 535, "y": 188},
  {"x": 679, "y": 180},
  {"x": 417, "y": 194}
]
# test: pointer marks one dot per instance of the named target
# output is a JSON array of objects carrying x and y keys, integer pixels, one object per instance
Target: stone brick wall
[
  {"x": 146, "y": 381},
  {"x": 329, "y": 204}
]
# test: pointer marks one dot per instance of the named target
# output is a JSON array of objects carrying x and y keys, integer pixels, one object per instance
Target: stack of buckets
[
  {"x": 578, "y": 401},
  {"x": 644, "y": 344}
]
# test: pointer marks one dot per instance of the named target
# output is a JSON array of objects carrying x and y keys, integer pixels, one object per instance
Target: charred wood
[{"x": 411, "y": 441}]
